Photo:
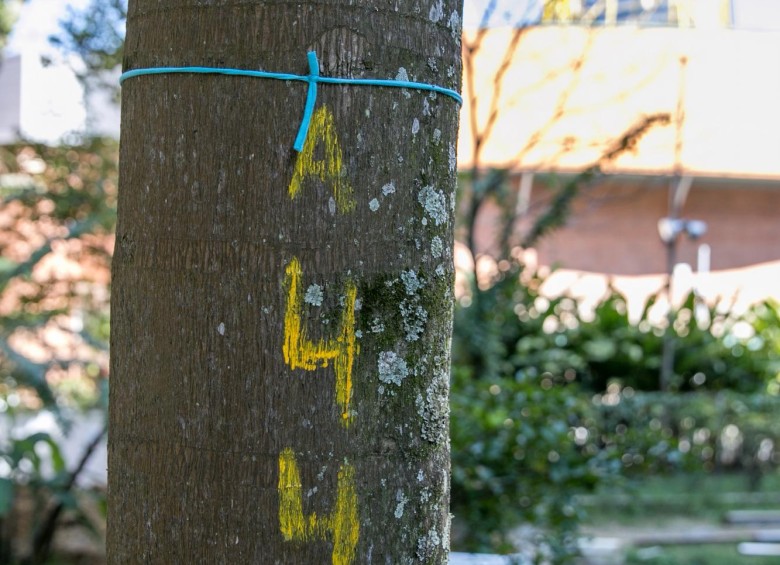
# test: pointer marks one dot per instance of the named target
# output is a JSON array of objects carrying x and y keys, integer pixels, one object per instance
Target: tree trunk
[{"x": 281, "y": 321}]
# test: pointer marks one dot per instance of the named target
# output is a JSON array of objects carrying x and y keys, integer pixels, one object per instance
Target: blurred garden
[{"x": 560, "y": 426}]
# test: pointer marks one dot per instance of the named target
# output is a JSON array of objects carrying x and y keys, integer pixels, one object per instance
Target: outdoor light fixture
[{"x": 670, "y": 228}]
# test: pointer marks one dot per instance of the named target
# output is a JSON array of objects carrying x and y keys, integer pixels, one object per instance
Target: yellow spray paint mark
[
  {"x": 300, "y": 352},
  {"x": 330, "y": 168},
  {"x": 341, "y": 526}
]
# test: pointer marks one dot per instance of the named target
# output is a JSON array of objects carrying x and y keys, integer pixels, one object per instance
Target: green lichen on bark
[{"x": 388, "y": 323}]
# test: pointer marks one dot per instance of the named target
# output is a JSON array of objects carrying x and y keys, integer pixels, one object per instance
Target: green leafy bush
[
  {"x": 510, "y": 327},
  {"x": 517, "y": 457},
  {"x": 547, "y": 405},
  {"x": 523, "y": 449},
  {"x": 665, "y": 432}
]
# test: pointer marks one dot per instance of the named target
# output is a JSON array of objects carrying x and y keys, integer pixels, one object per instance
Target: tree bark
[{"x": 280, "y": 321}]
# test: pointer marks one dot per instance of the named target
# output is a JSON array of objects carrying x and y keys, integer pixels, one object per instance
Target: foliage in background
[
  {"x": 56, "y": 220},
  {"x": 548, "y": 404},
  {"x": 703, "y": 431},
  {"x": 96, "y": 35},
  {"x": 8, "y": 14},
  {"x": 512, "y": 328},
  {"x": 515, "y": 459}
]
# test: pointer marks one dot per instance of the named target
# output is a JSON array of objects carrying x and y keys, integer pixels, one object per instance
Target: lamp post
[{"x": 670, "y": 229}]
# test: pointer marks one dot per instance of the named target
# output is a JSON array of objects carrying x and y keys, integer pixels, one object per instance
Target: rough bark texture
[{"x": 281, "y": 322}]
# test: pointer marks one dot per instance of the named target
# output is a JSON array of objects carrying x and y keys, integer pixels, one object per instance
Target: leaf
[
  {"x": 30, "y": 373},
  {"x": 6, "y": 496},
  {"x": 57, "y": 461},
  {"x": 67, "y": 499}
]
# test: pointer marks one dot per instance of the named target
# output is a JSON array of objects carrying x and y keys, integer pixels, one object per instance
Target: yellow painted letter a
[
  {"x": 341, "y": 526},
  {"x": 330, "y": 169},
  {"x": 300, "y": 352}
]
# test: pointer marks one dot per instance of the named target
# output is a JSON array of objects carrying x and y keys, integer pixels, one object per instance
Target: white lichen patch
[
  {"x": 455, "y": 25},
  {"x": 437, "y": 247},
  {"x": 332, "y": 206},
  {"x": 377, "y": 326},
  {"x": 433, "y": 409},
  {"x": 373, "y": 205},
  {"x": 401, "y": 499},
  {"x": 426, "y": 107},
  {"x": 440, "y": 271},
  {"x": 435, "y": 204},
  {"x": 221, "y": 328},
  {"x": 432, "y": 64},
  {"x": 388, "y": 189},
  {"x": 314, "y": 295},
  {"x": 403, "y": 76},
  {"x": 427, "y": 545},
  {"x": 452, "y": 158},
  {"x": 420, "y": 476},
  {"x": 413, "y": 317},
  {"x": 445, "y": 535},
  {"x": 436, "y": 136},
  {"x": 415, "y": 126},
  {"x": 392, "y": 368},
  {"x": 436, "y": 13},
  {"x": 412, "y": 283}
]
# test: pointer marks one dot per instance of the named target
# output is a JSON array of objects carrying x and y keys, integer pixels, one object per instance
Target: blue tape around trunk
[{"x": 312, "y": 79}]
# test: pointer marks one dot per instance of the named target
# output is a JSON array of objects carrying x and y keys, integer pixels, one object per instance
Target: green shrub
[
  {"x": 547, "y": 405},
  {"x": 510, "y": 327},
  {"x": 661, "y": 432},
  {"x": 517, "y": 457}
]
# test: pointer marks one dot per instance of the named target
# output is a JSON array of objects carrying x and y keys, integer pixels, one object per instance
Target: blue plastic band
[
  {"x": 312, "y": 79},
  {"x": 311, "y": 99}
]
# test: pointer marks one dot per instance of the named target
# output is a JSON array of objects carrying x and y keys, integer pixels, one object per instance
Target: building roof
[{"x": 562, "y": 96}]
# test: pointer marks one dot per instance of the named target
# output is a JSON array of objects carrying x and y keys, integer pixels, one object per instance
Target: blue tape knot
[{"x": 312, "y": 79}]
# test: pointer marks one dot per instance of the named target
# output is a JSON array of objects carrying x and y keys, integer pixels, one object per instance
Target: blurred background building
[{"x": 549, "y": 101}]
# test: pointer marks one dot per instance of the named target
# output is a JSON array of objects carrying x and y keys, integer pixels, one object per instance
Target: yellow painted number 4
[
  {"x": 341, "y": 526},
  {"x": 300, "y": 352}
]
